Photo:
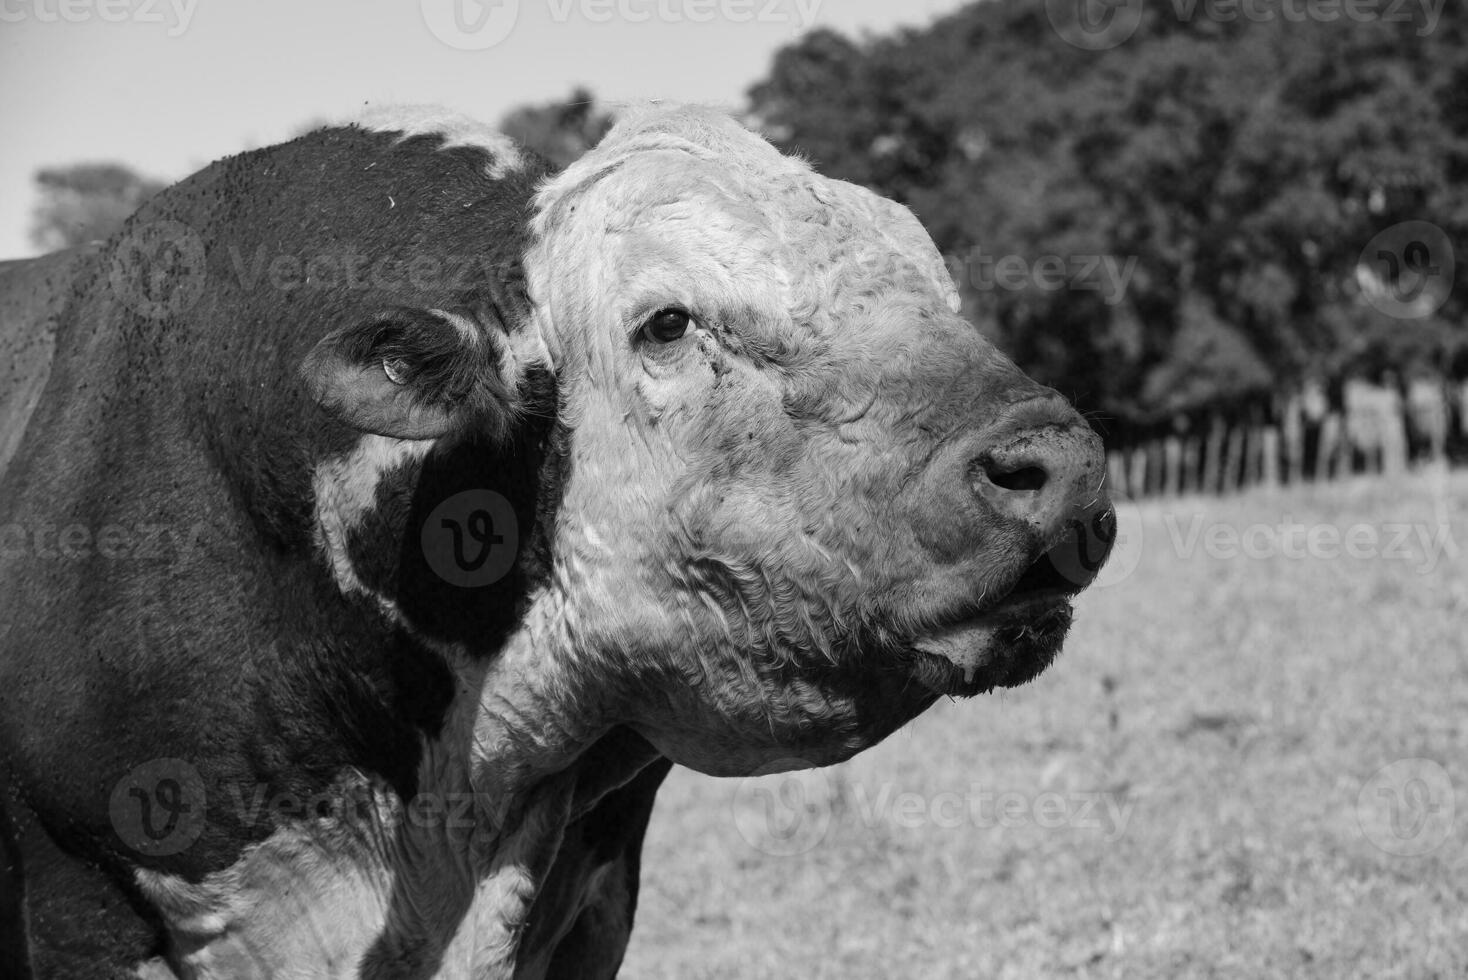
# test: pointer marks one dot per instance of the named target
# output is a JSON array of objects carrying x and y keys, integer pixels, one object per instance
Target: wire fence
[{"x": 1306, "y": 436}]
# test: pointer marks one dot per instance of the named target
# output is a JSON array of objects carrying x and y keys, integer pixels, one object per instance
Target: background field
[{"x": 1234, "y": 708}]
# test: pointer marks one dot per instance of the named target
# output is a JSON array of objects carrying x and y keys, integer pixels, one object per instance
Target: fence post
[
  {"x": 1253, "y": 456},
  {"x": 1116, "y": 473},
  {"x": 1233, "y": 459},
  {"x": 1212, "y": 451},
  {"x": 1293, "y": 433},
  {"x": 1269, "y": 446},
  {"x": 1327, "y": 451},
  {"x": 1137, "y": 479},
  {"x": 1393, "y": 435},
  {"x": 1172, "y": 452},
  {"x": 1190, "y": 464}
]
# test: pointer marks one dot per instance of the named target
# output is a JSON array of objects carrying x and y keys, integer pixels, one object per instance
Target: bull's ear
[{"x": 409, "y": 374}]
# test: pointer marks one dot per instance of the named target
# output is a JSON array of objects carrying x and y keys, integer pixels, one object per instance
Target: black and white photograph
[{"x": 723, "y": 489}]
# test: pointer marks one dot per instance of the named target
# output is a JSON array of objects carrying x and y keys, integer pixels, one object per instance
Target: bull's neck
[{"x": 523, "y": 747}]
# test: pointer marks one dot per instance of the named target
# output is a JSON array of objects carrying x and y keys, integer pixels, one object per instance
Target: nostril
[{"x": 1021, "y": 478}]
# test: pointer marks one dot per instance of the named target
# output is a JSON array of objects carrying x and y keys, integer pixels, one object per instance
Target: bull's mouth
[{"x": 1009, "y": 642}]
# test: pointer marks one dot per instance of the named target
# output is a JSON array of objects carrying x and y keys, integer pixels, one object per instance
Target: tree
[
  {"x": 1243, "y": 167},
  {"x": 559, "y": 131},
  {"x": 86, "y": 201}
]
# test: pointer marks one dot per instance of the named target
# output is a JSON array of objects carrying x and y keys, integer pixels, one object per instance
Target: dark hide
[
  {"x": 583, "y": 916},
  {"x": 33, "y": 295},
  {"x": 175, "y": 415}
]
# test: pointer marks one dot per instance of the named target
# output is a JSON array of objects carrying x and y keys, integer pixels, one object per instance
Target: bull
[{"x": 384, "y": 514}]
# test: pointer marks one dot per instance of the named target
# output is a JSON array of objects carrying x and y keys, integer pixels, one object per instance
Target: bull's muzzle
[
  {"x": 1038, "y": 469},
  {"x": 1046, "y": 467}
]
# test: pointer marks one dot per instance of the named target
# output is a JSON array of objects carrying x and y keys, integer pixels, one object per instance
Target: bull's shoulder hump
[
  {"x": 33, "y": 294},
  {"x": 33, "y": 289}
]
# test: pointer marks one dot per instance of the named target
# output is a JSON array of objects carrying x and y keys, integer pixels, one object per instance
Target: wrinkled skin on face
[{"x": 764, "y": 517}]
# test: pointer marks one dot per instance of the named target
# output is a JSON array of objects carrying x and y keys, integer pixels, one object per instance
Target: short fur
[{"x": 734, "y": 546}]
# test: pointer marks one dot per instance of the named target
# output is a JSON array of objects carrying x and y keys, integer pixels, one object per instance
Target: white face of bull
[
  {"x": 802, "y": 490},
  {"x": 803, "y": 498}
]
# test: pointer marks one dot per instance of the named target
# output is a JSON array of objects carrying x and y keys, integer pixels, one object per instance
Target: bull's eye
[
  {"x": 666, "y": 326},
  {"x": 396, "y": 370}
]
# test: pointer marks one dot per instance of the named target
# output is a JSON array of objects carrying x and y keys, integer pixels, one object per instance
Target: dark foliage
[
  {"x": 559, "y": 131},
  {"x": 1244, "y": 165},
  {"x": 86, "y": 202}
]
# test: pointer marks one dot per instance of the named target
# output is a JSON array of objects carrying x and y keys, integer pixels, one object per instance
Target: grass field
[{"x": 1226, "y": 711}]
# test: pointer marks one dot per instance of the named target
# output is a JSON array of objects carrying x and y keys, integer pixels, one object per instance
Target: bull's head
[
  {"x": 806, "y": 497},
  {"x": 803, "y": 498}
]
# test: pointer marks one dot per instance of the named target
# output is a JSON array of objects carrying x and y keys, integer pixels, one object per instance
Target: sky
[{"x": 166, "y": 86}]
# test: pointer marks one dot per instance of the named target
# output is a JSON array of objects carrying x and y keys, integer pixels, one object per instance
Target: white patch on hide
[
  {"x": 346, "y": 490},
  {"x": 522, "y": 349},
  {"x": 308, "y": 901},
  {"x": 313, "y": 898},
  {"x": 466, "y": 330},
  {"x": 456, "y": 129}
]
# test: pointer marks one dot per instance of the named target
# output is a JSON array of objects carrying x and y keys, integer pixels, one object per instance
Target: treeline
[{"x": 1207, "y": 214}]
